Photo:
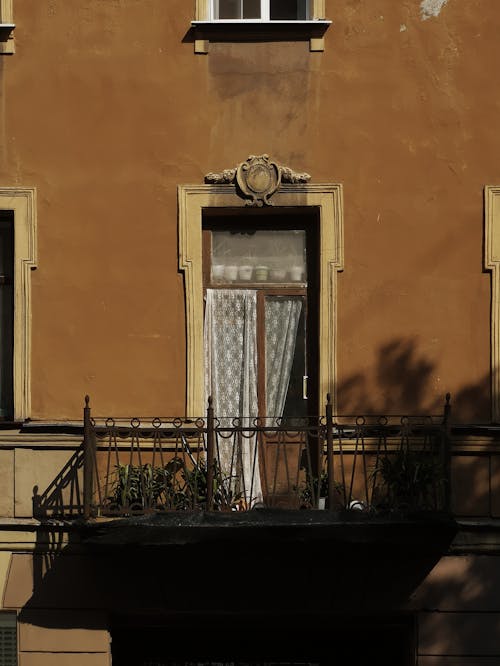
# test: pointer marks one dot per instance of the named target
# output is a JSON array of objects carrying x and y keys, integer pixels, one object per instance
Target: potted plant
[
  {"x": 313, "y": 492},
  {"x": 410, "y": 481}
]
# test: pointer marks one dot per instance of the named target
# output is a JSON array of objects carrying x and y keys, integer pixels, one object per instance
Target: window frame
[
  {"x": 7, "y": 315},
  {"x": 205, "y": 28},
  {"x": 307, "y": 291},
  {"x": 328, "y": 200},
  {"x": 22, "y": 203},
  {"x": 7, "y": 26},
  {"x": 492, "y": 263}
]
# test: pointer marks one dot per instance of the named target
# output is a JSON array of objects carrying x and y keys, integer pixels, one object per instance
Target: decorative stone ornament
[{"x": 257, "y": 179}]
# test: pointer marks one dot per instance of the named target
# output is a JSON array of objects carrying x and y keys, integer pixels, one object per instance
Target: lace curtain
[
  {"x": 230, "y": 339},
  {"x": 282, "y": 316},
  {"x": 231, "y": 378}
]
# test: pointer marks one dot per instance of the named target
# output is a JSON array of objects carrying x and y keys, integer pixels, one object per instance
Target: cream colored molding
[
  {"x": 202, "y": 12},
  {"x": 22, "y": 201},
  {"x": 192, "y": 200},
  {"x": 492, "y": 263},
  {"x": 318, "y": 10},
  {"x": 6, "y": 27}
]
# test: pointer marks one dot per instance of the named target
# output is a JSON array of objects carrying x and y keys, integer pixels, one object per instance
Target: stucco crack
[{"x": 430, "y": 8}]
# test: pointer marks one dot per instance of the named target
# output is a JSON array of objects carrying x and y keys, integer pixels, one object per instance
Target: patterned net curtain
[{"x": 230, "y": 339}]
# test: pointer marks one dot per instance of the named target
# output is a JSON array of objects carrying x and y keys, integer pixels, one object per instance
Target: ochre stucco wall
[{"x": 106, "y": 109}]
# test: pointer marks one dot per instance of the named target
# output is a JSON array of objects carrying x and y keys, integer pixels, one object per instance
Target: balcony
[
  {"x": 368, "y": 495},
  {"x": 358, "y": 468}
]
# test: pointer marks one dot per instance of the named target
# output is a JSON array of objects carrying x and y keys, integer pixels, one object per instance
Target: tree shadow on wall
[{"x": 401, "y": 382}]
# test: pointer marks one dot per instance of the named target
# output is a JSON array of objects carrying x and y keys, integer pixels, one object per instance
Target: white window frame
[
  {"x": 265, "y": 12},
  {"x": 205, "y": 27}
]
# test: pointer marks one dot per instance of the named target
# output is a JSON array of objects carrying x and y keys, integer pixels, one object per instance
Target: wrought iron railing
[{"x": 371, "y": 465}]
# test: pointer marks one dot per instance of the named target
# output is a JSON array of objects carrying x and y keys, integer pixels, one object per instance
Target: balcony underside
[
  {"x": 275, "y": 560},
  {"x": 425, "y": 531}
]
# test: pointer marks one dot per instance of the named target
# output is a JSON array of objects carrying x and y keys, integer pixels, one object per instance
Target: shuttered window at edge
[
  {"x": 8, "y": 639},
  {"x": 6, "y": 315}
]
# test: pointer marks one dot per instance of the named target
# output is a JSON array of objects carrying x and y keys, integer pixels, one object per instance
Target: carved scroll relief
[{"x": 257, "y": 179}]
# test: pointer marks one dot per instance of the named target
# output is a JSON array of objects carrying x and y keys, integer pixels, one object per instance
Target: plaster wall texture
[
  {"x": 459, "y": 616},
  {"x": 106, "y": 109}
]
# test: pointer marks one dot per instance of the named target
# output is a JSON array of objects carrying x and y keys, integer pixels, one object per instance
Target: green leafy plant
[
  {"x": 174, "y": 486},
  {"x": 143, "y": 486},
  {"x": 407, "y": 480},
  {"x": 314, "y": 488}
]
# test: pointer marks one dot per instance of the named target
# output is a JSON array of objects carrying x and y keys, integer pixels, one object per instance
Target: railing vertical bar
[
  {"x": 210, "y": 454},
  {"x": 342, "y": 466},
  {"x": 329, "y": 451},
  {"x": 446, "y": 454},
  {"x": 88, "y": 463}
]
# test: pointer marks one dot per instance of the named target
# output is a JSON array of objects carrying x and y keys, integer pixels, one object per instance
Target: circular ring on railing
[
  {"x": 109, "y": 423},
  {"x": 236, "y": 422},
  {"x": 257, "y": 422},
  {"x": 360, "y": 420},
  {"x": 216, "y": 422},
  {"x": 382, "y": 420},
  {"x": 405, "y": 420},
  {"x": 135, "y": 422},
  {"x": 177, "y": 422},
  {"x": 200, "y": 423},
  {"x": 156, "y": 422}
]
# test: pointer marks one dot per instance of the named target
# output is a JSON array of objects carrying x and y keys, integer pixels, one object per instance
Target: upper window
[
  {"x": 261, "y": 10},
  {"x": 251, "y": 20}
]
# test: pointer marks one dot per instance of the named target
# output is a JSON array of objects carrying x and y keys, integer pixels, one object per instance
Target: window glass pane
[
  {"x": 251, "y": 9},
  {"x": 289, "y": 10},
  {"x": 228, "y": 9},
  {"x": 263, "y": 256}
]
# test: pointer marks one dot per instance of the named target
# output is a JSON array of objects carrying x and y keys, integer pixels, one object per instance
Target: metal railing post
[
  {"x": 210, "y": 454},
  {"x": 329, "y": 451},
  {"x": 446, "y": 454},
  {"x": 88, "y": 461}
]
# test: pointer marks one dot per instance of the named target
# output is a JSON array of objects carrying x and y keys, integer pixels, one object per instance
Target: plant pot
[
  {"x": 261, "y": 273},
  {"x": 296, "y": 273},
  {"x": 278, "y": 274},
  {"x": 245, "y": 272},
  {"x": 231, "y": 273},
  {"x": 218, "y": 272}
]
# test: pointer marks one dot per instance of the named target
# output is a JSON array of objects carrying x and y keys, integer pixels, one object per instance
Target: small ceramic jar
[{"x": 261, "y": 273}]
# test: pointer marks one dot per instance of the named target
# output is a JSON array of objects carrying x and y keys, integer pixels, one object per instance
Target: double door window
[{"x": 258, "y": 316}]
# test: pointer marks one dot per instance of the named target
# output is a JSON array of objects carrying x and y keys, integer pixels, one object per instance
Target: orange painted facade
[{"x": 106, "y": 111}]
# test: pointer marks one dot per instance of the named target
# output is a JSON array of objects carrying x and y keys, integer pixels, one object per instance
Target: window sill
[{"x": 256, "y": 30}]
